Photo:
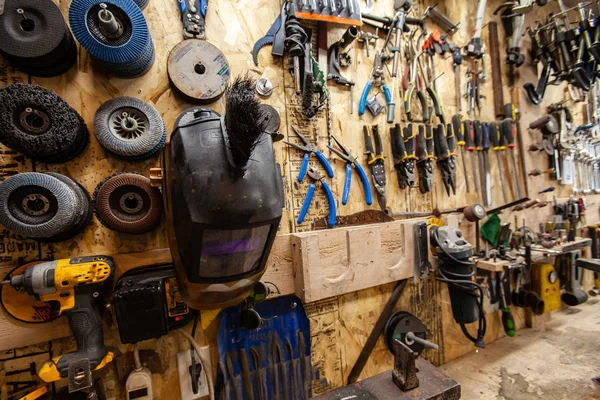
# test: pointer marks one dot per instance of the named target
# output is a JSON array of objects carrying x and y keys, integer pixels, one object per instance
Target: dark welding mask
[{"x": 221, "y": 217}]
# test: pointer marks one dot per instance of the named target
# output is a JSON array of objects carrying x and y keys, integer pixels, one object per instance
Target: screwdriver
[
  {"x": 477, "y": 140},
  {"x": 458, "y": 129},
  {"x": 494, "y": 135},
  {"x": 506, "y": 136},
  {"x": 469, "y": 137},
  {"x": 508, "y": 321},
  {"x": 485, "y": 147}
]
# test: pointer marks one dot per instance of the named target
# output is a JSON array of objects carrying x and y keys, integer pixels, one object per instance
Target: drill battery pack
[{"x": 147, "y": 304}]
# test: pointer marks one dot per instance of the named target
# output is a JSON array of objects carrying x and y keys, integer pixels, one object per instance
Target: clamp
[
  {"x": 351, "y": 161},
  {"x": 314, "y": 174},
  {"x": 193, "y": 14},
  {"x": 309, "y": 148},
  {"x": 377, "y": 78}
]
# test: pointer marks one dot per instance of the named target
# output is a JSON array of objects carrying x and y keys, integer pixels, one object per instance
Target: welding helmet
[{"x": 222, "y": 218}]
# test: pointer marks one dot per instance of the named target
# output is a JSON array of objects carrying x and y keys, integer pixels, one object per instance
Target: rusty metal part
[
  {"x": 360, "y": 218},
  {"x": 405, "y": 370},
  {"x": 496, "y": 71},
  {"x": 127, "y": 203},
  {"x": 434, "y": 385}
]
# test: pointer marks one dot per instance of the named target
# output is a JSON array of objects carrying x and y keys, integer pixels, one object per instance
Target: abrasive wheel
[
  {"x": 141, "y": 3},
  {"x": 41, "y": 206},
  {"x": 115, "y": 34},
  {"x": 127, "y": 203},
  {"x": 129, "y": 128},
  {"x": 38, "y": 123},
  {"x": 35, "y": 37}
]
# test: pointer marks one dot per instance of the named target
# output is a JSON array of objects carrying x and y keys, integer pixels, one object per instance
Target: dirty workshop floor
[{"x": 555, "y": 362}]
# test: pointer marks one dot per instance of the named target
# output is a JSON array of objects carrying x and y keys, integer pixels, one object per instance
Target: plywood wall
[{"x": 340, "y": 325}]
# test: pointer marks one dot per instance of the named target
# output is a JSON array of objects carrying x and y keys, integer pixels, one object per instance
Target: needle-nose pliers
[
  {"x": 309, "y": 148},
  {"x": 314, "y": 174},
  {"x": 351, "y": 161}
]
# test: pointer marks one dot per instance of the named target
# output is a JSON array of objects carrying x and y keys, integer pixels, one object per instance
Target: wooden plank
[{"x": 335, "y": 262}]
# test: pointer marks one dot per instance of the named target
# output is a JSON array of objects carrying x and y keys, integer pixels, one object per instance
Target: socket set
[{"x": 337, "y": 11}]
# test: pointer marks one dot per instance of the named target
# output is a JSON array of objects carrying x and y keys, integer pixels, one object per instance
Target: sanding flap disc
[
  {"x": 198, "y": 71},
  {"x": 39, "y": 124},
  {"x": 127, "y": 203},
  {"x": 129, "y": 128},
  {"x": 22, "y": 306},
  {"x": 38, "y": 206}
]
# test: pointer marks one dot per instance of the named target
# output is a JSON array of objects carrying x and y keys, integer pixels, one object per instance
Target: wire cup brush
[{"x": 115, "y": 34}]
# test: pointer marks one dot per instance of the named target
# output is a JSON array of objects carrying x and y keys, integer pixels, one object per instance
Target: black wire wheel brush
[
  {"x": 130, "y": 128},
  {"x": 39, "y": 124},
  {"x": 46, "y": 207},
  {"x": 126, "y": 202}
]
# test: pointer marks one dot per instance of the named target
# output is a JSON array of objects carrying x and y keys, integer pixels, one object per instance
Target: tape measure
[{"x": 198, "y": 71}]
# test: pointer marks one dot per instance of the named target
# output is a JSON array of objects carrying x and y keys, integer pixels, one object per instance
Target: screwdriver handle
[
  {"x": 409, "y": 140},
  {"x": 441, "y": 145},
  {"x": 506, "y": 127},
  {"x": 477, "y": 135},
  {"x": 508, "y": 322},
  {"x": 485, "y": 136},
  {"x": 509, "y": 111},
  {"x": 421, "y": 144},
  {"x": 494, "y": 135},
  {"x": 469, "y": 134},
  {"x": 457, "y": 125}
]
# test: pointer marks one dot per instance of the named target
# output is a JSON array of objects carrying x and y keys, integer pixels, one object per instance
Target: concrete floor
[{"x": 555, "y": 362}]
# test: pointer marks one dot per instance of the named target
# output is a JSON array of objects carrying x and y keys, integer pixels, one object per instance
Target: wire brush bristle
[{"x": 244, "y": 119}]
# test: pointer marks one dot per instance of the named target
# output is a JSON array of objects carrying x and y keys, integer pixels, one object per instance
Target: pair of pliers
[
  {"x": 314, "y": 174},
  {"x": 193, "y": 14},
  {"x": 351, "y": 161},
  {"x": 309, "y": 148},
  {"x": 377, "y": 79},
  {"x": 376, "y": 161}
]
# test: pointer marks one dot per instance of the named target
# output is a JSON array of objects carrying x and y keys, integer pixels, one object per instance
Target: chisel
[
  {"x": 477, "y": 141},
  {"x": 507, "y": 136},
  {"x": 495, "y": 136}
]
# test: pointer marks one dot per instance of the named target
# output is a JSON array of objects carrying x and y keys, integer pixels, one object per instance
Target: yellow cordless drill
[{"x": 73, "y": 287}]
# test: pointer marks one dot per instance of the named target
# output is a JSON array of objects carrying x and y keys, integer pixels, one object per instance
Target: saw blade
[
  {"x": 21, "y": 305},
  {"x": 198, "y": 71}
]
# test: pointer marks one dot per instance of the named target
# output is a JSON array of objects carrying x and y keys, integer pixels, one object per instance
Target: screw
[{"x": 294, "y": 304}]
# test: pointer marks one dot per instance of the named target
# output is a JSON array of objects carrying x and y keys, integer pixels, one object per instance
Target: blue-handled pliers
[
  {"x": 309, "y": 148},
  {"x": 351, "y": 161},
  {"x": 314, "y": 174},
  {"x": 377, "y": 79}
]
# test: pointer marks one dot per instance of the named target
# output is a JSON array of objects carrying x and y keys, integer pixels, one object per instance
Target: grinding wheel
[
  {"x": 38, "y": 206},
  {"x": 399, "y": 325},
  {"x": 22, "y": 306},
  {"x": 127, "y": 203},
  {"x": 198, "y": 71},
  {"x": 141, "y": 3},
  {"x": 35, "y": 37},
  {"x": 129, "y": 128},
  {"x": 38, "y": 123}
]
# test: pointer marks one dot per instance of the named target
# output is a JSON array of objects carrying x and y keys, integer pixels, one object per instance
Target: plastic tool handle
[
  {"x": 477, "y": 134},
  {"x": 508, "y": 322},
  {"x": 391, "y": 112},
  {"x": 347, "y": 183},
  {"x": 469, "y": 134},
  {"x": 450, "y": 139},
  {"x": 203, "y": 7},
  {"x": 437, "y": 108},
  {"x": 424, "y": 107},
  {"x": 306, "y": 204},
  {"x": 485, "y": 136},
  {"x": 331, "y": 201},
  {"x": 394, "y": 143},
  {"x": 540, "y": 122},
  {"x": 362, "y": 104},
  {"x": 387, "y": 94},
  {"x": 325, "y": 163},
  {"x": 377, "y": 140},
  {"x": 494, "y": 135},
  {"x": 407, "y": 100},
  {"x": 429, "y": 140},
  {"x": 398, "y": 139},
  {"x": 508, "y": 132},
  {"x": 86, "y": 326},
  {"x": 441, "y": 145},
  {"x": 365, "y": 182},
  {"x": 458, "y": 128},
  {"x": 409, "y": 140},
  {"x": 303, "y": 167},
  {"x": 182, "y": 6},
  {"x": 509, "y": 111},
  {"x": 421, "y": 144}
]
